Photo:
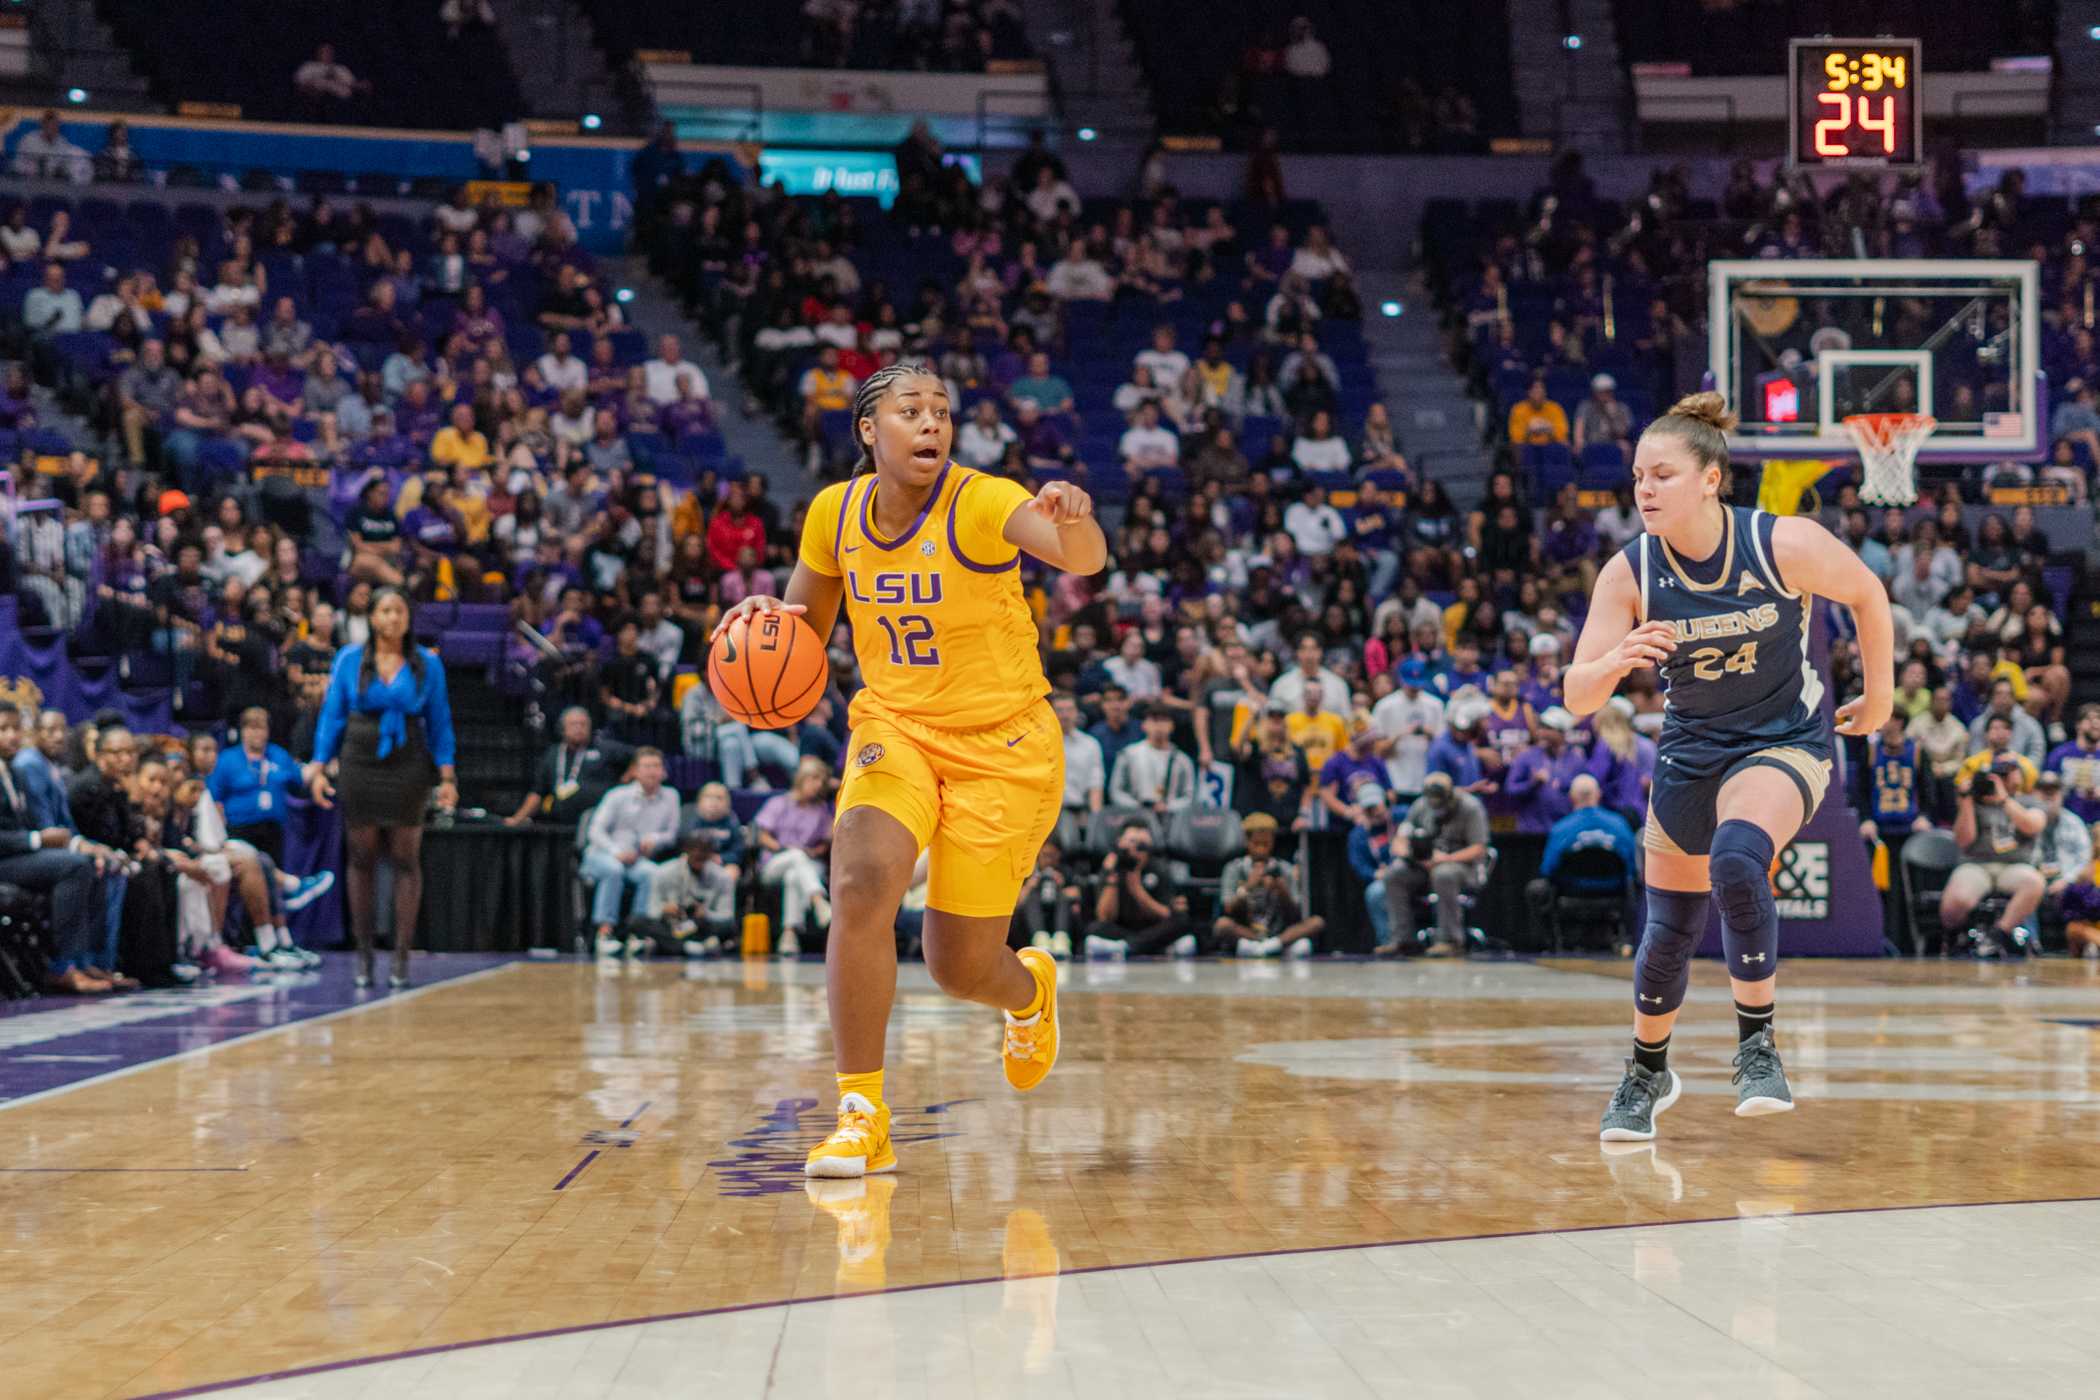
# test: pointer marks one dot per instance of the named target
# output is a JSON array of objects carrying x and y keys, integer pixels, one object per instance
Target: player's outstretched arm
[
  {"x": 816, "y": 596},
  {"x": 1614, "y": 640},
  {"x": 1059, "y": 528},
  {"x": 1812, "y": 560}
]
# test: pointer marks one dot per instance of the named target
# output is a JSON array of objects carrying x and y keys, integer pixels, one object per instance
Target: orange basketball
[{"x": 768, "y": 669}]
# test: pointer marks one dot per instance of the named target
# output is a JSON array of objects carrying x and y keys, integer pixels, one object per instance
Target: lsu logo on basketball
[
  {"x": 871, "y": 753},
  {"x": 890, "y": 588}
]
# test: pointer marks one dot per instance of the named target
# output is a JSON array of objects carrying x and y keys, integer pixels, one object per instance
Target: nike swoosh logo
[
  {"x": 849, "y": 549},
  {"x": 1017, "y": 739}
]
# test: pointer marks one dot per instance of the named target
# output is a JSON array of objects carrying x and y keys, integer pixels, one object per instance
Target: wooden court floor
[{"x": 549, "y": 1146}]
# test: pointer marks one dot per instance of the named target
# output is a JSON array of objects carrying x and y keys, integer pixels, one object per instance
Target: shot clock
[{"x": 1854, "y": 103}]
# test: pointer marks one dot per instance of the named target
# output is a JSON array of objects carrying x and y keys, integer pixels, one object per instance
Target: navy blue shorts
[{"x": 1681, "y": 804}]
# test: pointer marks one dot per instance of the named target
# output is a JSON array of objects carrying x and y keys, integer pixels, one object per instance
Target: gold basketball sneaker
[
  {"x": 1031, "y": 1045},
  {"x": 858, "y": 1146}
]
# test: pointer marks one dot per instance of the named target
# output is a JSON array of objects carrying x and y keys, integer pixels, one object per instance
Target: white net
[{"x": 1888, "y": 451}]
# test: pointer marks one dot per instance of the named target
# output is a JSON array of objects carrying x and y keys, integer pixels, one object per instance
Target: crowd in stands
[{"x": 1295, "y": 633}]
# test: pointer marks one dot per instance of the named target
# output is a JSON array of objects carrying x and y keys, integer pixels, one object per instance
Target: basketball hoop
[{"x": 1888, "y": 450}]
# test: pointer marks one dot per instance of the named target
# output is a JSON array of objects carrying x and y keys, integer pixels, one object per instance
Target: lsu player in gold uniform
[{"x": 954, "y": 749}]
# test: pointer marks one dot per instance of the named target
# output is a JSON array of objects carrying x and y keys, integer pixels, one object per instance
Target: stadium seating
[
  {"x": 1390, "y": 62},
  {"x": 245, "y": 52},
  {"x": 1742, "y": 37}
]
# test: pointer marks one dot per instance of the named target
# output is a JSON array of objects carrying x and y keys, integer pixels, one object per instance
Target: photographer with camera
[
  {"x": 1047, "y": 909},
  {"x": 1137, "y": 910},
  {"x": 1261, "y": 899},
  {"x": 693, "y": 896},
  {"x": 1996, "y": 828},
  {"x": 1441, "y": 844}
]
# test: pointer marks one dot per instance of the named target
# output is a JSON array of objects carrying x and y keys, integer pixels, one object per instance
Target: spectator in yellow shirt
[
  {"x": 1534, "y": 409},
  {"x": 826, "y": 388},
  {"x": 1316, "y": 731},
  {"x": 461, "y": 444}
]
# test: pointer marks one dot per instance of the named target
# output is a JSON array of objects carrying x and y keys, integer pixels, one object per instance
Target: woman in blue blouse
[{"x": 386, "y": 726}]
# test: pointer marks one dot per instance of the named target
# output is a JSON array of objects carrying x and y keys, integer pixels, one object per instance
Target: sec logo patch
[{"x": 872, "y": 753}]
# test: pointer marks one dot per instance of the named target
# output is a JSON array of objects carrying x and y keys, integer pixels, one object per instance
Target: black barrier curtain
[{"x": 498, "y": 889}]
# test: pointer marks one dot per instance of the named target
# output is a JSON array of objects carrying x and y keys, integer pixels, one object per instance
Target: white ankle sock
[{"x": 266, "y": 937}]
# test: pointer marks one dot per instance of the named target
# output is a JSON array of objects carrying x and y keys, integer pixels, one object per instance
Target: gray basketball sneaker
[
  {"x": 1760, "y": 1080},
  {"x": 1641, "y": 1096}
]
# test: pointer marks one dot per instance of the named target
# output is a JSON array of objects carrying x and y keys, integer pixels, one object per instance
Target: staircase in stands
[
  {"x": 1093, "y": 68},
  {"x": 561, "y": 68},
  {"x": 1571, "y": 87},
  {"x": 1437, "y": 425}
]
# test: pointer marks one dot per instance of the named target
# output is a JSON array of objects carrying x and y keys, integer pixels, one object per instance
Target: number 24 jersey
[{"x": 940, "y": 627}]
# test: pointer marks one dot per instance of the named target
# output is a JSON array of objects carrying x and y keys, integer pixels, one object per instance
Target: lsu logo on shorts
[{"x": 871, "y": 753}]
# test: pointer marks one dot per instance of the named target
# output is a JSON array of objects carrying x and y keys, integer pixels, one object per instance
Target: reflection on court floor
[{"x": 1278, "y": 1180}]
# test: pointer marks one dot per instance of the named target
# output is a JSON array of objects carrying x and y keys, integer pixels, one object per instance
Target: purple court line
[
  {"x": 577, "y": 1170},
  {"x": 307, "y": 1004},
  {"x": 323, "y": 1367},
  {"x": 637, "y": 1113}
]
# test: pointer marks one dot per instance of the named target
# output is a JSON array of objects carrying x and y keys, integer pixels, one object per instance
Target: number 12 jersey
[{"x": 940, "y": 627}]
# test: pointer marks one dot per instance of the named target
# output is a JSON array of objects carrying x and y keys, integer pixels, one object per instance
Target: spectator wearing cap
[
  {"x": 2064, "y": 850},
  {"x": 1261, "y": 899},
  {"x": 1602, "y": 418},
  {"x": 1409, "y": 719},
  {"x": 1354, "y": 764},
  {"x": 1542, "y": 776},
  {"x": 1445, "y": 836},
  {"x": 1154, "y": 774},
  {"x": 1586, "y": 825},
  {"x": 1536, "y": 418},
  {"x": 1541, "y": 685},
  {"x": 1455, "y": 753}
]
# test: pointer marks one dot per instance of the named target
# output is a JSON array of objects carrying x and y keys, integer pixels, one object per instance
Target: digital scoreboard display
[{"x": 1854, "y": 103}]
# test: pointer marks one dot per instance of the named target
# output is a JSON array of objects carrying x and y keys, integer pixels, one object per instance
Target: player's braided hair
[{"x": 870, "y": 393}]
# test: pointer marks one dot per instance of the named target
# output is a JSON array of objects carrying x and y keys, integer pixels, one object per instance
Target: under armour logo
[
  {"x": 1665, "y": 581},
  {"x": 1753, "y": 957},
  {"x": 1643, "y": 996},
  {"x": 1748, "y": 585}
]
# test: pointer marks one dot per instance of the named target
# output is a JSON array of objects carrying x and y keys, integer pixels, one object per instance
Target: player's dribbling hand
[
  {"x": 1863, "y": 714},
  {"x": 756, "y": 603},
  {"x": 1062, "y": 503},
  {"x": 1649, "y": 644}
]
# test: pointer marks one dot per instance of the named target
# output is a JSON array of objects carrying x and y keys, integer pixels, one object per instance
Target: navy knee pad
[
  {"x": 1663, "y": 966},
  {"x": 1740, "y": 865}
]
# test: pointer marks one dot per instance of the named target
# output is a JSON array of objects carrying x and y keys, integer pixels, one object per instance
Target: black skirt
[{"x": 390, "y": 791}]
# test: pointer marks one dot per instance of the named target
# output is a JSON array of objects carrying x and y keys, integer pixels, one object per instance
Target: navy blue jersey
[{"x": 1740, "y": 680}]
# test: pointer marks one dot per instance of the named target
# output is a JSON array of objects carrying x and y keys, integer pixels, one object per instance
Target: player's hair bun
[{"x": 1708, "y": 408}]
